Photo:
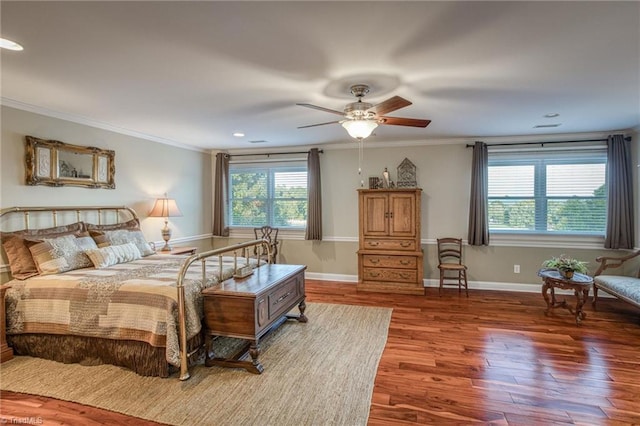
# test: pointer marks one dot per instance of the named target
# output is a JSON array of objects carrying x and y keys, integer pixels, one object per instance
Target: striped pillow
[
  {"x": 122, "y": 236},
  {"x": 111, "y": 255},
  {"x": 61, "y": 254},
  {"x": 20, "y": 259}
]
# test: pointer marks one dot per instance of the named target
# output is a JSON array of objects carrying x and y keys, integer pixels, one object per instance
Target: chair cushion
[
  {"x": 628, "y": 287},
  {"x": 452, "y": 266}
]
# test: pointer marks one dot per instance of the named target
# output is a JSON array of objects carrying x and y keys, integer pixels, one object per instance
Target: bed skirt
[{"x": 144, "y": 359}]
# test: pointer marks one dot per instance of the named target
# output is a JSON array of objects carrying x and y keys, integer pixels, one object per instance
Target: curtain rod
[
  {"x": 273, "y": 153},
  {"x": 628, "y": 138}
]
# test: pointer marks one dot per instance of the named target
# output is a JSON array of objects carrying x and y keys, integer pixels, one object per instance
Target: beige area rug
[{"x": 318, "y": 373}]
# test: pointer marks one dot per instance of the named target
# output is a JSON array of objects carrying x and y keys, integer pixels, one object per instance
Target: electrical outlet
[{"x": 516, "y": 269}]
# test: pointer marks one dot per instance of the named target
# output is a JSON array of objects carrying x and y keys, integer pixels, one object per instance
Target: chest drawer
[
  {"x": 381, "y": 261},
  {"x": 395, "y": 244},
  {"x": 393, "y": 275},
  {"x": 280, "y": 300}
]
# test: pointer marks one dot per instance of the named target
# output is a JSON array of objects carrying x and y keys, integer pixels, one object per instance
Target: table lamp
[{"x": 165, "y": 207}]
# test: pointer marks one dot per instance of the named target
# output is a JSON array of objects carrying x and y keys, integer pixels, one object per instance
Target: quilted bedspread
[{"x": 130, "y": 301}]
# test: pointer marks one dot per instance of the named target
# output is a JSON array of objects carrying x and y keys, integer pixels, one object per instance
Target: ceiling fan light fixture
[
  {"x": 5, "y": 43},
  {"x": 360, "y": 129}
]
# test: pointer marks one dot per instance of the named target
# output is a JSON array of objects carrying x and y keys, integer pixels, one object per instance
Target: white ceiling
[{"x": 192, "y": 73}]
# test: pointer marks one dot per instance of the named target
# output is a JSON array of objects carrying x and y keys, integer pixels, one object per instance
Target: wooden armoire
[{"x": 389, "y": 253}]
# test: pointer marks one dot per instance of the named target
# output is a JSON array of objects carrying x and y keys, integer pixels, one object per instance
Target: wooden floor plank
[{"x": 493, "y": 358}]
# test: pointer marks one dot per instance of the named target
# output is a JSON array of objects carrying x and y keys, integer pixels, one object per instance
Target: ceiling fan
[{"x": 361, "y": 118}]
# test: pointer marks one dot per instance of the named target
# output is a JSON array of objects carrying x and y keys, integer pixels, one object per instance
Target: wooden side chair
[
  {"x": 270, "y": 234},
  {"x": 450, "y": 264}
]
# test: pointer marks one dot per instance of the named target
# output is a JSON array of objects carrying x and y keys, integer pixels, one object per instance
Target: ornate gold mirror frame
[{"x": 54, "y": 163}]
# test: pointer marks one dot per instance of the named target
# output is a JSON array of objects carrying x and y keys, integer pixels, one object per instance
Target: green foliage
[
  {"x": 575, "y": 214},
  {"x": 564, "y": 263},
  {"x": 251, "y": 205}
]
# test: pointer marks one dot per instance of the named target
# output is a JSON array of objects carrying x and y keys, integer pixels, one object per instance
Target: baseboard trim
[
  {"x": 331, "y": 277},
  {"x": 473, "y": 285}
]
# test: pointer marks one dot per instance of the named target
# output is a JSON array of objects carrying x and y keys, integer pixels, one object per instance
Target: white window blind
[
  {"x": 548, "y": 191},
  {"x": 273, "y": 194}
]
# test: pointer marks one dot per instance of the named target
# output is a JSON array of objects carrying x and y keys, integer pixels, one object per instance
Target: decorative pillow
[
  {"x": 133, "y": 224},
  {"x": 60, "y": 254},
  {"x": 111, "y": 255},
  {"x": 18, "y": 254},
  {"x": 85, "y": 242},
  {"x": 122, "y": 236}
]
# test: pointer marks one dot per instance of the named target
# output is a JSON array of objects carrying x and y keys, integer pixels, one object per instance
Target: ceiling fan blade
[
  {"x": 319, "y": 124},
  {"x": 332, "y": 111},
  {"x": 390, "y": 105},
  {"x": 399, "y": 121}
]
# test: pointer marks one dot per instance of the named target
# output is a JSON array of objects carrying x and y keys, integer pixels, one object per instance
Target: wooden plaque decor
[
  {"x": 407, "y": 175},
  {"x": 54, "y": 163}
]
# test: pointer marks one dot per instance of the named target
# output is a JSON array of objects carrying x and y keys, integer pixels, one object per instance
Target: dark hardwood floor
[{"x": 493, "y": 358}]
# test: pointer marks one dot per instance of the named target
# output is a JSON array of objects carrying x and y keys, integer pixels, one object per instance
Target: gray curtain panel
[
  {"x": 314, "y": 208},
  {"x": 221, "y": 189},
  {"x": 479, "y": 203},
  {"x": 620, "y": 228}
]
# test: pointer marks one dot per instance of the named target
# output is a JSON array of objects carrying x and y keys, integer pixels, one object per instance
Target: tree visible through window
[
  {"x": 548, "y": 192},
  {"x": 273, "y": 195}
]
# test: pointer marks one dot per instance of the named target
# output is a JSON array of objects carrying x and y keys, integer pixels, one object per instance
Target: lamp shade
[
  {"x": 165, "y": 207},
  {"x": 359, "y": 129}
]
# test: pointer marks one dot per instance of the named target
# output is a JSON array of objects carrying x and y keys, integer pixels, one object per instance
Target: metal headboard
[{"x": 101, "y": 212}]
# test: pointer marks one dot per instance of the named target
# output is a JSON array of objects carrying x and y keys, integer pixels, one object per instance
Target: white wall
[{"x": 144, "y": 170}]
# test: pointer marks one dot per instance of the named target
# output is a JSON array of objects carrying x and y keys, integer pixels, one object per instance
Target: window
[
  {"x": 273, "y": 194},
  {"x": 548, "y": 192}
]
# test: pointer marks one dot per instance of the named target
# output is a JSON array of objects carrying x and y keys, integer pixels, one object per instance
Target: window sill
[{"x": 283, "y": 234}]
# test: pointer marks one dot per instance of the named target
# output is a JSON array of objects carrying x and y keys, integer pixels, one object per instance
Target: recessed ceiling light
[
  {"x": 238, "y": 134},
  {"x": 9, "y": 44},
  {"x": 538, "y": 126},
  {"x": 551, "y": 115}
]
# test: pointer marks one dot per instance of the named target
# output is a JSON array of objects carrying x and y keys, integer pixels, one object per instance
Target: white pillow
[{"x": 111, "y": 255}]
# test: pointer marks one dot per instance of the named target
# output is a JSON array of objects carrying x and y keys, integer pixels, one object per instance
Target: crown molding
[
  {"x": 346, "y": 144},
  {"x": 85, "y": 121}
]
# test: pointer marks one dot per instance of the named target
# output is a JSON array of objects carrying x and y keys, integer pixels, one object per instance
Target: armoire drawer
[
  {"x": 394, "y": 275},
  {"x": 382, "y": 261},
  {"x": 397, "y": 244}
]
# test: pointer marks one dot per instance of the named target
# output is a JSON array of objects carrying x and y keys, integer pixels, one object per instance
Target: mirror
[{"x": 54, "y": 163}]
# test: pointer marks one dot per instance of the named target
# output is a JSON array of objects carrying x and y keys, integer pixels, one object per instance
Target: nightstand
[{"x": 179, "y": 250}]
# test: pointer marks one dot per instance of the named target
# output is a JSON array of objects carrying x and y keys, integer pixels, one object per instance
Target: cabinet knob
[
  {"x": 373, "y": 243},
  {"x": 404, "y": 262},
  {"x": 405, "y": 243},
  {"x": 374, "y": 261}
]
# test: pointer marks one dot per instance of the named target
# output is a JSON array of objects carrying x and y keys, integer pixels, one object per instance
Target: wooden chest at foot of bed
[{"x": 248, "y": 308}]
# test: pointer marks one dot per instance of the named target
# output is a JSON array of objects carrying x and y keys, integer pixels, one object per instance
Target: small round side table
[{"x": 579, "y": 283}]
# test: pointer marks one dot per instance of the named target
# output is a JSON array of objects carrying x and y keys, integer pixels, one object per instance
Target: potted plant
[{"x": 566, "y": 266}]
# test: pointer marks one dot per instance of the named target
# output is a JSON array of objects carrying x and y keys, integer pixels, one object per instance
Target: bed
[{"x": 98, "y": 292}]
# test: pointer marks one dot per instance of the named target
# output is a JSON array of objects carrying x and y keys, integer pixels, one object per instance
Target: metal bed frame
[{"x": 102, "y": 212}]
